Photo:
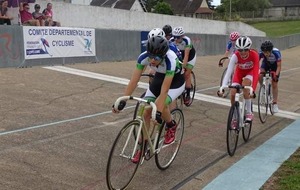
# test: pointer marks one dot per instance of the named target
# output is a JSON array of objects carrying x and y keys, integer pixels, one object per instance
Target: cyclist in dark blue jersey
[{"x": 271, "y": 61}]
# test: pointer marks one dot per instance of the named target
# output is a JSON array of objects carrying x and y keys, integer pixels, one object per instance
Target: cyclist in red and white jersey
[{"x": 246, "y": 72}]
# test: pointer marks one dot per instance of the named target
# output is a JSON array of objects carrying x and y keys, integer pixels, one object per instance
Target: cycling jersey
[
  {"x": 170, "y": 66},
  {"x": 230, "y": 47},
  {"x": 270, "y": 63},
  {"x": 185, "y": 43},
  {"x": 248, "y": 68},
  {"x": 174, "y": 48}
]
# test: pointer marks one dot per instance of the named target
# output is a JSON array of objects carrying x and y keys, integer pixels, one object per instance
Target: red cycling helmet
[{"x": 234, "y": 36}]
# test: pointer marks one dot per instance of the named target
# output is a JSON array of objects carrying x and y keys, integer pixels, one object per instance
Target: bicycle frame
[
  {"x": 239, "y": 97},
  {"x": 142, "y": 128},
  {"x": 267, "y": 82}
]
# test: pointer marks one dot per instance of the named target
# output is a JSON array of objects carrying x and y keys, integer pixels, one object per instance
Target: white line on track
[{"x": 198, "y": 96}]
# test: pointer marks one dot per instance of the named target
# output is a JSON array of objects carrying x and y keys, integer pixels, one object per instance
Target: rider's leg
[
  {"x": 188, "y": 82},
  {"x": 246, "y": 92},
  {"x": 232, "y": 95},
  {"x": 261, "y": 76}
]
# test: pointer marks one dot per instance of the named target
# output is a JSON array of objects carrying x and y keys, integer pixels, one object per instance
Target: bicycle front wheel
[
  {"x": 167, "y": 152},
  {"x": 262, "y": 104},
  {"x": 120, "y": 169},
  {"x": 232, "y": 135},
  {"x": 247, "y": 126}
]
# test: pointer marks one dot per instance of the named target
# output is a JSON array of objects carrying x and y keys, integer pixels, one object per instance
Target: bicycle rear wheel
[
  {"x": 232, "y": 135},
  {"x": 168, "y": 152},
  {"x": 193, "y": 88},
  {"x": 247, "y": 126},
  {"x": 262, "y": 104},
  {"x": 120, "y": 169},
  {"x": 179, "y": 102}
]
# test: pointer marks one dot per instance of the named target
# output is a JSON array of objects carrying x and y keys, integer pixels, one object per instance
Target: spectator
[
  {"x": 4, "y": 18},
  {"x": 38, "y": 15},
  {"x": 49, "y": 16},
  {"x": 26, "y": 16}
]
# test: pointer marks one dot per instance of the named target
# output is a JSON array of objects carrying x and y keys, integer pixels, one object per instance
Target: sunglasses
[
  {"x": 155, "y": 57},
  {"x": 243, "y": 50},
  {"x": 177, "y": 37}
]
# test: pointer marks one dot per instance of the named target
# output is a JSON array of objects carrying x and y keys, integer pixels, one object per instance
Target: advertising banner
[{"x": 47, "y": 42}]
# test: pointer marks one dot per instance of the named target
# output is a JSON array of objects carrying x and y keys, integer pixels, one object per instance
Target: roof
[
  {"x": 285, "y": 3},
  {"x": 118, "y": 4},
  {"x": 188, "y": 6}
]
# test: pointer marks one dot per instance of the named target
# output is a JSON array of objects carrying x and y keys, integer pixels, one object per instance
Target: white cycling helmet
[
  {"x": 156, "y": 32},
  {"x": 243, "y": 42},
  {"x": 178, "y": 31}
]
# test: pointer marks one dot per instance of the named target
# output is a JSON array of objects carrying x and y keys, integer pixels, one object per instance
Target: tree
[{"x": 163, "y": 8}]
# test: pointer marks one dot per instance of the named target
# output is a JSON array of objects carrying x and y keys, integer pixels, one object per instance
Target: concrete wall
[
  {"x": 11, "y": 46},
  {"x": 118, "y": 45}
]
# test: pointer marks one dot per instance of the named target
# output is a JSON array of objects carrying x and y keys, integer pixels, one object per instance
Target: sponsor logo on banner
[
  {"x": 47, "y": 42},
  {"x": 88, "y": 45}
]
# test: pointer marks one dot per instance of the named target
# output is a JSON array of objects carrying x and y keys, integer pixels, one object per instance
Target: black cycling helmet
[
  {"x": 267, "y": 46},
  {"x": 167, "y": 29},
  {"x": 157, "y": 45}
]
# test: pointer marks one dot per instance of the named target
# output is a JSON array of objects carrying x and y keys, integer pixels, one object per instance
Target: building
[
  {"x": 283, "y": 8},
  {"x": 191, "y": 8},
  {"x": 132, "y": 5}
]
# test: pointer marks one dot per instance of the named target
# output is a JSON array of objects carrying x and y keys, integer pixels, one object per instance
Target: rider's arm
[
  {"x": 256, "y": 65},
  {"x": 136, "y": 75},
  {"x": 226, "y": 53},
  {"x": 278, "y": 59},
  {"x": 186, "y": 55},
  {"x": 228, "y": 47},
  {"x": 230, "y": 69},
  {"x": 278, "y": 68}
]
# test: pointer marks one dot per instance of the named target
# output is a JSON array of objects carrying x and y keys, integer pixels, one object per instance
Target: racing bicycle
[
  {"x": 135, "y": 136},
  {"x": 237, "y": 120},
  {"x": 265, "y": 97}
]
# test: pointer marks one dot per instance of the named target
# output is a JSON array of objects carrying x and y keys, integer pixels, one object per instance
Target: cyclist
[
  {"x": 184, "y": 44},
  {"x": 167, "y": 85},
  {"x": 168, "y": 31},
  {"x": 246, "y": 71},
  {"x": 230, "y": 46},
  {"x": 271, "y": 61},
  {"x": 160, "y": 32}
]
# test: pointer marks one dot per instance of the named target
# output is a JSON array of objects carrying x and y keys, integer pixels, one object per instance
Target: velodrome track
[{"x": 57, "y": 127}]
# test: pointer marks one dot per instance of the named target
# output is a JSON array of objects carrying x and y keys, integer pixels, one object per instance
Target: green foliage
[
  {"x": 278, "y": 28},
  {"x": 163, "y": 8}
]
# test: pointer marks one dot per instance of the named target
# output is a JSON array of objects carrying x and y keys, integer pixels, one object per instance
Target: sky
[{"x": 216, "y": 2}]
